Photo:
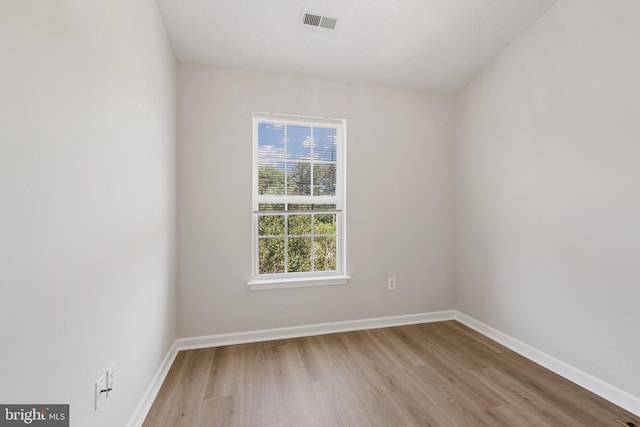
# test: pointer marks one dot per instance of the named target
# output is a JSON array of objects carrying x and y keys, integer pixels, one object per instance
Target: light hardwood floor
[{"x": 436, "y": 374}]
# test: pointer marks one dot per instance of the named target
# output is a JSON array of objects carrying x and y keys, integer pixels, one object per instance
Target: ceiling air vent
[
  {"x": 311, "y": 19},
  {"x": 328, "y": 22},
  {"x": 319, "y": 20}
]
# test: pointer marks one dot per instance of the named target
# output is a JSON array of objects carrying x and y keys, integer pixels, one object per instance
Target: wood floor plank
[
  {"x": 447, "y": 398},
  {"x": 526, "y": 399},
  {"x": 185, "y": 398},
  {"x": 440, "y": 360},
  {"x": 511, "y": 415},
  {"x": 316, "y": 358},
  {"x": 297, "y": 400},
  {"x": 438, "y": 374},
  {"x": 392, "y": 342},
  {"x": 218, "y": 412},
  {"x": 259, "y": 390},
  {"x": 333, "y": 406},
  {"x": 223, "y": 375}
]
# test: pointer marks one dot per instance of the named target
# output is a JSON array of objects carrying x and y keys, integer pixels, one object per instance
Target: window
[{"x": 298, "y": 201}]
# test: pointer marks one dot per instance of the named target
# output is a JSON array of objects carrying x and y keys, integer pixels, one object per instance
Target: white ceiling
[{"x": 436, "y": 45}]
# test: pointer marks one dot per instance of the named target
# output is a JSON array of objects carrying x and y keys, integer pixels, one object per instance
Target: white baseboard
[
  {"x": 310, "y": 330},
  {"x": 595, "y": 385},
  {"x": 141, "y": 411}
]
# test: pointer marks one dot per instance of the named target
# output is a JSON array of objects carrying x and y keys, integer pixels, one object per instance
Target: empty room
[{"x": 319, "y": 213}]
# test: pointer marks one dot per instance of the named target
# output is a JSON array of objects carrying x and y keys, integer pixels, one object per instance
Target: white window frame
[{"x": 301, "y": 279}]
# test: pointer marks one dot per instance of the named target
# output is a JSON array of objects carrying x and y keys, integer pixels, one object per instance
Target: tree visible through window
[{"x": 298, "y": 195}]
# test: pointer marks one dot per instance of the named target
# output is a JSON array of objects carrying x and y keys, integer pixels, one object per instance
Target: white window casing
[{"x": 298, "y": 201}]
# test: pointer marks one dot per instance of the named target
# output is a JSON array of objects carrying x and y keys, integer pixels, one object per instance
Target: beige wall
[
  {"x": 548, "y": 189},
  {"x": 87, "y": 216},
  {"x": 399, "y": 197}
]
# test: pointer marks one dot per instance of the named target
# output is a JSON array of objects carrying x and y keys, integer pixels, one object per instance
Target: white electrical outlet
[
  {"x": 110, "y": 380},
  {"x": 99, "y": 395},
  {"x": 391, "y": 283}
]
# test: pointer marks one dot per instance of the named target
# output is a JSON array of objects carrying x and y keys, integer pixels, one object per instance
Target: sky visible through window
[
  {"x": 299, "y": 141},
  {"x": 296, "y": 159}
]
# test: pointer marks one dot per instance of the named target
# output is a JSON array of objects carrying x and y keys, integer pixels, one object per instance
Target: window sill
[{"x": 298, "y": 282}]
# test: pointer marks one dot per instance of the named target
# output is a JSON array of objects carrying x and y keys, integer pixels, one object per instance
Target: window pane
[
  {"x": 308, "y": 207},
  {"x": 324, "y": 179},
  {"x": 324, "y": 224},
  {"x": 324, "y": 257},
  {"x": 298, "y": 142},
  {"x": 270, "y": 143},
  {"x": 299, "y": 225},
  {"x": 271, "y": 179},
  {"x": 324, "y": 144},
  {"x": 324, "y": 207},
  {"x": 267, "y": 207},
  {"x": 271, "y": 256},
  {"x": 299, "y": 254},
  {"x": 299, "y": 179},
  {"x": 298, "y": 207},
  {"x": 271, "y": 225}
]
